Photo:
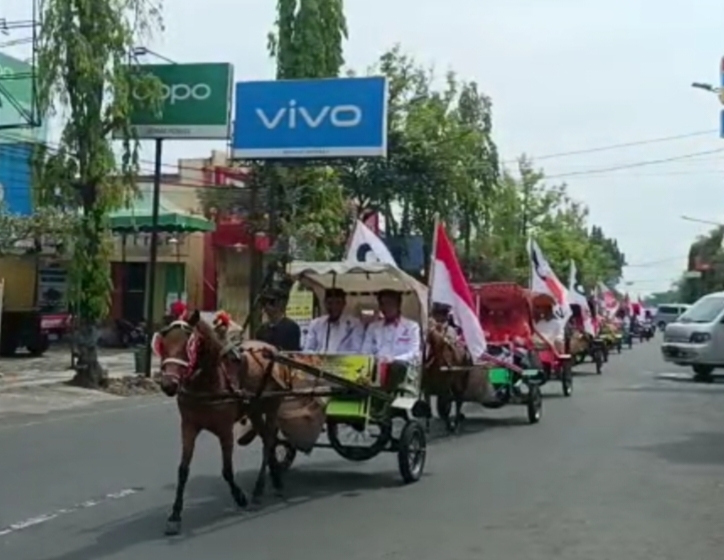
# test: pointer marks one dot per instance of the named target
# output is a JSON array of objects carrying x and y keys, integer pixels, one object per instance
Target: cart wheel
[
  {"x": 534, "y": 404},
  {"x": 567, "y": 380},
  {"x": 411, "y": 452},
  {"x": 367, "y": 445},
  {"x": 285, "y": 454},
  {"x": 598, "y": 360}
]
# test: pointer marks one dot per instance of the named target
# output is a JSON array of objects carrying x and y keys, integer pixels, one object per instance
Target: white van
[
  {"x": 668, "y": 313},
  {"x": 696, "y": 338}
]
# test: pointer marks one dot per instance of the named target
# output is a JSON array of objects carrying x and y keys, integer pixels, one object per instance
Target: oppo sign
[{"x": 179, "y": 92}]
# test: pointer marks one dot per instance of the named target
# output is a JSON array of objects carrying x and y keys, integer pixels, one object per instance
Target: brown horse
[
  {"x": 215, "y": 387},
  {"x": 442, "y": 355}
]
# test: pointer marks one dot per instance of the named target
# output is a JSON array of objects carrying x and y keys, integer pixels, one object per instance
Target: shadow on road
[
  {"x": 703, "y": 448},
  {"x": 209, "y": 508}
]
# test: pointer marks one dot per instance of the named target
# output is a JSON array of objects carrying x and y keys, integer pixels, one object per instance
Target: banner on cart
[
  {"x": 325, "y": 118},
  {"x": 359, "y": 368}
]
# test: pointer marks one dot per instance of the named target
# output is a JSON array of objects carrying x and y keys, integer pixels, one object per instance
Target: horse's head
[{"x": 186, "y": 348}]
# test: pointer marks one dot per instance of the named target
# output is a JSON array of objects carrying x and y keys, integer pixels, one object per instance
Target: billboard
[
  {"x": 17, "y": 107},
  {"x": 335, "y": 117},
  {"x": 196, "y": 102},
  {"x": 16, "y": 176}
]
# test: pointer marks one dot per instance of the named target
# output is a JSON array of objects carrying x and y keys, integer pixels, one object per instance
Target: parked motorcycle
[{"x": 130, "y": 334}]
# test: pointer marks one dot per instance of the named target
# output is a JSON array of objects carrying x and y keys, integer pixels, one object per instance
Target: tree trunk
[{"x": 88, "y": 371}]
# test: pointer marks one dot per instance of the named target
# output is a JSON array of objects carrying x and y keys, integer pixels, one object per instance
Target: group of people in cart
[{"x": 390, "y": 338}]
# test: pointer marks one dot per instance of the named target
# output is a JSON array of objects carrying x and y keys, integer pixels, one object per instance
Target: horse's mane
[{"x": 212, "y": 343}]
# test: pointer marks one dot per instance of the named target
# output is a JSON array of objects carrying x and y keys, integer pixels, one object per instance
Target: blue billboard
[
  {"x": 16, "y": 174},
  {"x": 335, "y": 117}
]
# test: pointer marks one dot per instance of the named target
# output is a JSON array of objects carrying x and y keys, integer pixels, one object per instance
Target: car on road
[
  {"x": 668, "y": 313},
  {"x": 696, "y": 338}
]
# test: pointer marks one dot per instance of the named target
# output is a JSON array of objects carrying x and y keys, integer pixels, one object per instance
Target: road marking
[
  {"x": 51, "y": 417},
  {"x": 44, "y": 518}
]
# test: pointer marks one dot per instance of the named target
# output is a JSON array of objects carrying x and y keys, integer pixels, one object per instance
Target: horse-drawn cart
[
  {"x": 371, "y": 406},
  {"x": 505, "y": 314}
]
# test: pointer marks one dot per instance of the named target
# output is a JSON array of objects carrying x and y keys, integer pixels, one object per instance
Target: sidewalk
[
  {"x": 54, "y": 367},
  {"x": 34, "y": 386}
]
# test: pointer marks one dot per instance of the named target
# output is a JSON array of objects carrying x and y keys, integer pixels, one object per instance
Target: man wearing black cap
[
  {"x": 394, "y": 339},
  {"x": 441, "y": 314},
  {"x": 279, "y": 330},
  {"x": 336, "y": 332}
]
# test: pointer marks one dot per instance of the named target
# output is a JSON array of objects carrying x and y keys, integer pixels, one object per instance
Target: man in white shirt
[
  {"x": 551, "y": 330},
  {"x": 394, "y": 340},
  {"x": 336, "y": 332}
]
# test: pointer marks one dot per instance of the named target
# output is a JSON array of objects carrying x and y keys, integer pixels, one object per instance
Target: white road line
[{"x": 44, "y": 518}]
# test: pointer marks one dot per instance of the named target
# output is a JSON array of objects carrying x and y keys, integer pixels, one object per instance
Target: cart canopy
[{"x": 362, "y": 281}]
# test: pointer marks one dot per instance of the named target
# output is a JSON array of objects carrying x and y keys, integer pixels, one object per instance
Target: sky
[{"x": 564, "y": 76}]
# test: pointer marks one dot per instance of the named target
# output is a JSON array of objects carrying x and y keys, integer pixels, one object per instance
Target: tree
[
  {"x": 44, "y": 222},
  {"x": 523, "y": 205},
  {"x": 307, "y": 42},
  {"x": 83, "y": 69},
  {"x": 441, "y": 158}
]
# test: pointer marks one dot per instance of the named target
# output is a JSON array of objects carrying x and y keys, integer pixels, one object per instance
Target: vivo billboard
[{"x": 324, "y": 118}]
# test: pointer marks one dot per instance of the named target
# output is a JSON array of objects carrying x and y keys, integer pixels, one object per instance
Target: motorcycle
[{"x": 130, "y": 334}]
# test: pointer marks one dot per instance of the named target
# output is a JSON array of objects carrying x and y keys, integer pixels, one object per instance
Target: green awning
[{"x": 171, "y": 218}]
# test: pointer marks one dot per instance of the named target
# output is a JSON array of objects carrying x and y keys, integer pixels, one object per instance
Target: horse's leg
[
  {"x": 272, "y": 435},
  {"x": 226, "y": 439},
  {"x": 189, "y": 433},
  {"x": 257, "y": 419}
]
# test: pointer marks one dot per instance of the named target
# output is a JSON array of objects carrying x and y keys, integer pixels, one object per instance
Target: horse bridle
[{"x": 178, "y": 324}]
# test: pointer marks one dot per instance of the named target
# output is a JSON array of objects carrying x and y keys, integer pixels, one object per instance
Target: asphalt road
[{"x": 631, "y": 467}]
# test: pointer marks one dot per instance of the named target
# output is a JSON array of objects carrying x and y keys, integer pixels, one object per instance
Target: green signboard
[
  {"x": 196, "y": 102},
  {"x": 18, "y": 114}
]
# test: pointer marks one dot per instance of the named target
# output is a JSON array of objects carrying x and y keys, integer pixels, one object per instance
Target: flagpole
[{"x": 431, "y": 268}]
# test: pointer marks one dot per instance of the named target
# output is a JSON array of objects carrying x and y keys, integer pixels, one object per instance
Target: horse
[
  {"x": 444, "y": 354},
  {"x": 217, "y": 385}
]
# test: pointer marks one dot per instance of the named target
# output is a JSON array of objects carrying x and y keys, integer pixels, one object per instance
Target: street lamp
[{"x": 711, "y": 89}]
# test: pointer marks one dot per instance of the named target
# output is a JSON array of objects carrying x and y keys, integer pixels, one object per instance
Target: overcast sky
[{"x": 564, "y": 75}]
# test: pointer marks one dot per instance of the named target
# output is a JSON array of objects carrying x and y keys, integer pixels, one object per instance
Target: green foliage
[
  {"x": 48, "y": 222},
  {"x": 707, "y": 256},
  {"x": 84, "y": 76}
]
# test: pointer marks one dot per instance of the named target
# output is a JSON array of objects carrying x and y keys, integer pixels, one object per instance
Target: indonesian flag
[
  {"x": 609, "y": 303},
  {"x": 544, "y": 281},
  {"x": 642, "y": 308},
  {"x": 580, "y": 300},
  {"x": 449, "y": 287}
]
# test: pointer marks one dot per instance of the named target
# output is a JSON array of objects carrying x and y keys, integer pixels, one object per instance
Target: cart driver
[
  {"x": 441, "y": 317},
  {"x": 394, "y": 339},
  {"x": 336, "y": 332},
  {"x": 549, "y": 328}
]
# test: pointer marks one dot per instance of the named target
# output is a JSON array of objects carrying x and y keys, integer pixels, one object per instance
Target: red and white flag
[{"x": 449, "y": 287}]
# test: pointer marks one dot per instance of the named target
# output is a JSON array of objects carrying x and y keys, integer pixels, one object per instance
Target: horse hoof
[{"x": 173, "y": 528}]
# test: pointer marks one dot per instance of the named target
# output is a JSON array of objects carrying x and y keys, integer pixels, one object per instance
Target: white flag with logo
[
  {"x": 580, "y": 300},
  {"x": 365, "y": 246},
  {"x": 544, "y": 281}
]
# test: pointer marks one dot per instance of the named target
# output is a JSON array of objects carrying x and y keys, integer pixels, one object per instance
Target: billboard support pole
[{"x": 153, "y": 258}]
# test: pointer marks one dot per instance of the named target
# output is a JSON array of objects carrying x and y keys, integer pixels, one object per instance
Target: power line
[
  {"x": 634, "y": 164},
  {"x": 622, "y": 145}
]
